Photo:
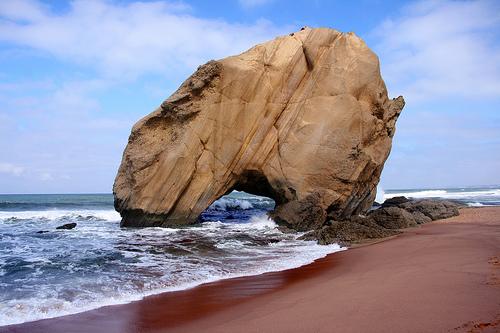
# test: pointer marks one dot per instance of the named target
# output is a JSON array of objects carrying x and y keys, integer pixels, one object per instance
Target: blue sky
[{"x": 75, "y": 76}]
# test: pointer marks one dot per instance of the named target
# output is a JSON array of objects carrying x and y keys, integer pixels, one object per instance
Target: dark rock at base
[
  {"x": 301, "y": 215},
  {"x": 366, "y": 221},
  {"x": 185, "y": 241},
  {"x": 67, "y": 226},
  {"x": 376, "y": 204},
  {"x": 392, "y": 217},
  {"x": 432, "y": 209},
  {"x": 420, "y": 217},
  {"x": 395, "y": 213},
  {"x": 347, "y": 232},
  {"x": 284, "y": 229},
  {"x": 395, "y": 201}
]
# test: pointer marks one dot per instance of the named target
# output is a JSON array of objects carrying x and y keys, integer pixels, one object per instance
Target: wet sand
[{"x": 440, "y": 277}]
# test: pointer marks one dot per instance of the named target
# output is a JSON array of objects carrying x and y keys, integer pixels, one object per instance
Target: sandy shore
[{"x": 441, "y": 277}]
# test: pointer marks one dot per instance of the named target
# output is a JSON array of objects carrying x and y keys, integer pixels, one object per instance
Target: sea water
[
  {"x": 46, "y": 272},
  {"x": 475, "y": 196}
]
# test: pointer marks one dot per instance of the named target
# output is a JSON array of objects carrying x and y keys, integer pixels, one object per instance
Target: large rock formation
[{"x": 303, "y": 119}]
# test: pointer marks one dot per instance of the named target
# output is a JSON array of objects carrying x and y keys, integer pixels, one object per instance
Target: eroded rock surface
[{"x": 304, "y": 119}]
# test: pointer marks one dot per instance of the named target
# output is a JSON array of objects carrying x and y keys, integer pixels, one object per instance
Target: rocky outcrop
[
  {"x": 304, "y": 119},
  {"x": 431, "y": 210},
  {"x": 303, "y": 215},
  {"x": 395, "y": 201},
  {"x": 67, "y": 226},
  {"x": 345, "y": 233},
  {"x": 393, "y": 217},
  {"x": 394, "y": 214}
]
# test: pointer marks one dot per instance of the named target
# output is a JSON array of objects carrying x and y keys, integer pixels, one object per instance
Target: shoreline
[{"x": 424, "y": 283}]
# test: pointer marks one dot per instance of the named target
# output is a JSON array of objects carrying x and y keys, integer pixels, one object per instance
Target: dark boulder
[
  {"x": 420, "y": 217},
  {"x": 392, "y": 217},
  {"x": 301, "y": 215},
  {"x": 67, "y": 226},
  {"x": 395, "y": 201},
  {"x": 395, "y": 213},
  {"x": 286, "y": 230},
  {"x": 432, "y": 209},
  {"x": 347, "y": 232}
]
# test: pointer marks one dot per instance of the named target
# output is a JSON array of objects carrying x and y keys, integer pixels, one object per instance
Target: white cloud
[
  {"x": 127, "y": 39},
  {"x": 22, "y": 10},
  {"x": 253, "y": 3},
  {"x": 11, "y": 169},
  {"x": 437, "y": 49},
  {"x": 46, "y": 176}
]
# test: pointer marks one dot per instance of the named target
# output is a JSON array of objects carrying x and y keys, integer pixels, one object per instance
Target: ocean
[
  {"x": 46, "y": 272},
  {"x": 475, "y": 196}
]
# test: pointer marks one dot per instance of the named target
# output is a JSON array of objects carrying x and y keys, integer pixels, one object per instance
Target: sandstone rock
[{"x": 304, "y": 119}]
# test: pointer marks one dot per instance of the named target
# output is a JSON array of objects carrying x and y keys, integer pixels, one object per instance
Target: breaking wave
[
  {"x": 60, "y": 272},
  {"x": 476, "y": 196},
  {"x": 231, "y": 204}
]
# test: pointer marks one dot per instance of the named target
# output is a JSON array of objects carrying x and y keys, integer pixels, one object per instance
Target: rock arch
[{"x": 303, "y": 119}]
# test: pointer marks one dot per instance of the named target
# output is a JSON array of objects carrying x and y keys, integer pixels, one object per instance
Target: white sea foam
[
  {"x": 419, "y": 194},
  {"x": 57, "y": 214},
  {"x": 149, "y": 261},
  {"x": 259, "y": 222},
  {"x": 31, "y": 309},
  {"x": 229, "y": 203},
  {"x": 445, "y": 194},
  {"x": 380, "y": 194}
]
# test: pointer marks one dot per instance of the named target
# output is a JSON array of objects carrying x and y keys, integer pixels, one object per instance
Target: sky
[{"x": 76, "y": 75}]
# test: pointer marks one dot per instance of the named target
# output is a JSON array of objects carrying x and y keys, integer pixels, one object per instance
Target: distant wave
[
  {"x": 229, "y": 204},
  {"x": 57, "y": 214},
  {"x": 16, "y": 205},
  {"x": 475, "y": 204},
  {"x": 446, "y": 194}
]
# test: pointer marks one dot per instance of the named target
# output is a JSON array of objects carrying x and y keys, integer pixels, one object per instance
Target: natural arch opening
[
  {"x": 252, "y": 195},
  {"x": 237, "y": 207}
]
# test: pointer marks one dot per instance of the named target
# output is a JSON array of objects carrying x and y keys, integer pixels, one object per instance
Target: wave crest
[
  {"x": 58, "y": 215},
  {"x": 231, "y": 204}
]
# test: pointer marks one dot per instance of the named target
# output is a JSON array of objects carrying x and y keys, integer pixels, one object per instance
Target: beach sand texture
[{"x": 441, "y": 277}]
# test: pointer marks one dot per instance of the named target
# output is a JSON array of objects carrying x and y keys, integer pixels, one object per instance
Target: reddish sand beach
[{"x": 440, "y": 277}]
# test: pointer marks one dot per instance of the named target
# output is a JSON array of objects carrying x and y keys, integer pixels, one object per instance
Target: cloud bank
[
  {"x": 11, "y": 169},
  {"x": 104, "y": 60},
  {"x": 442, "y": 49},
  {"x": 127, "y": 39}
]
